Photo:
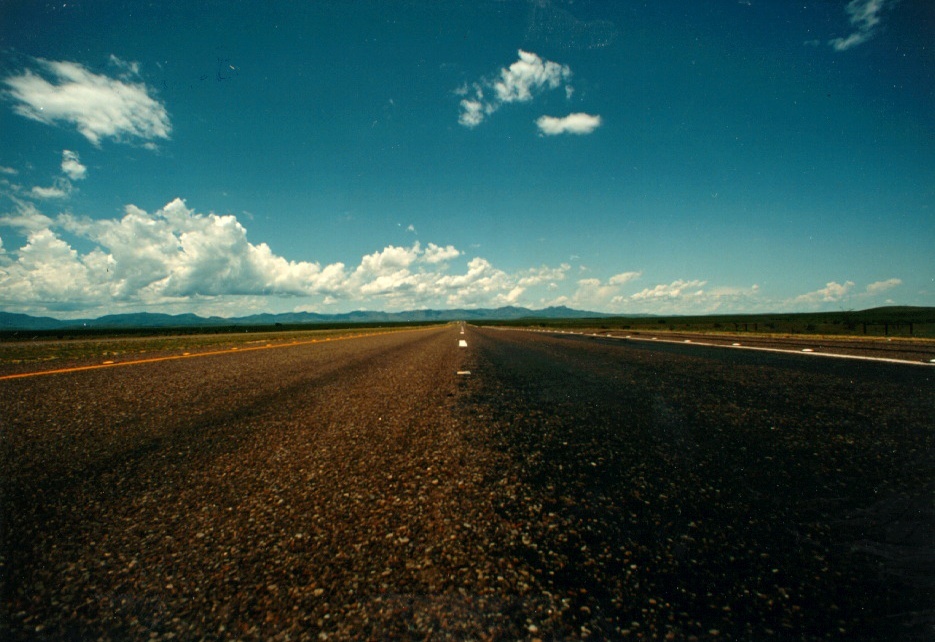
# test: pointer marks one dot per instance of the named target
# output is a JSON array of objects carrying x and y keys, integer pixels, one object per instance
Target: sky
[{"x": 630, "y": 157}]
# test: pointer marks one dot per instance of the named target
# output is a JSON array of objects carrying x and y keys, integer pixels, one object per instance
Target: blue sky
[{"x": 629, "y": 157}]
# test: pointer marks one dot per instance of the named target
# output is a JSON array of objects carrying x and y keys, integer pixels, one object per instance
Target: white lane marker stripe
[
  {"x": 808, "y": 351},
  {"x": 464, "y": 372},
  {"x": 462, "y": 343}
]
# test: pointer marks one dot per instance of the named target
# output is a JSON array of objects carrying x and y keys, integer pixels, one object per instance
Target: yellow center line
[{"x": 187, "y": 355}]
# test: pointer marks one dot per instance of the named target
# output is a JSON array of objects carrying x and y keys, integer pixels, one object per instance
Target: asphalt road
[{"x": 568, "y": 487}]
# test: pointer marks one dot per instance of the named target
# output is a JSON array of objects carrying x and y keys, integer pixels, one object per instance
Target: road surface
[{"x": 568, "y": 487}]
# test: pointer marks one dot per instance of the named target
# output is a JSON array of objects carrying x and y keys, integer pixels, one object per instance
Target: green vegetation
[{"x": 878, "y": 322}]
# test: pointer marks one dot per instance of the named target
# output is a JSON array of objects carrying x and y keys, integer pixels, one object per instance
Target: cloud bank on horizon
[
  {"x": 176, "y": 255},
  {"x": 177, "y": 259}
]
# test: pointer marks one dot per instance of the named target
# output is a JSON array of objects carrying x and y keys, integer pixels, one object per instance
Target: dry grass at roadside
[{"x": 26, "y": 355}]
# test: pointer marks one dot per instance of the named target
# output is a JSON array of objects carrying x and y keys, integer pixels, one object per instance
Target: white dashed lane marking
[{"x": 462, "y": 343}]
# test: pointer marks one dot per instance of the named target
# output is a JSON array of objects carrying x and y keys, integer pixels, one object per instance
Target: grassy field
[{"x": 879, "y": 322}]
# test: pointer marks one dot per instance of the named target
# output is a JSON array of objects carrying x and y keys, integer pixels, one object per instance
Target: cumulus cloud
[
  {"x": 682, "y": 296},
  {"x": 27, "y": 218},
  {"x": 879, "y": 287},
  {"x": 520, "y": 82},
  {"x": 624, "y": 277},
  {"x": 482, "y": 284},
  {"x": 864, "y": 16},
  {"x": 176, "y": 252},
  {"x": 99, "y": 107},
  {"x": 49, "y": 273},
  {"x": 62, "y": 187},
  {"x": 176, "y": 255},
  {"x": 72, "y": 167},
  {"x": 832, "y": 291},
  {"x": 594, "y": 294},
  {"x": 543, "y": 275},
  {"x": 472, "y": 113},
  {"x": 435, "y": 254},
  {"x": 579, "y": 123},
  {"x": 674, "y": 290},
  {"x": 9, "y": 171},
  {"x": 528, "y": 75}
]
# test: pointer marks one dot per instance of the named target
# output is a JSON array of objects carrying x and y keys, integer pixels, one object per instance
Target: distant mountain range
[{"x": 13, "y": 321}]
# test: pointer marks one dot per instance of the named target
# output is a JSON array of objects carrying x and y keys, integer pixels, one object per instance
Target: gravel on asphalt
[{"x": 567, "y": 488}]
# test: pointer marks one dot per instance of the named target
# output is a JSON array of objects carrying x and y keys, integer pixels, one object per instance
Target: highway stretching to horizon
[{"x": 458, "y": 482}]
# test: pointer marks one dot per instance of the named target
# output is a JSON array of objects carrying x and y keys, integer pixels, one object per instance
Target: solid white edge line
[{"x": 798, "y": 351}]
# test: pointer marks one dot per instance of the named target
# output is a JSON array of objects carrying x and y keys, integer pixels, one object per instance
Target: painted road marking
[
  {"x": 464, "y": 372},
  {"x": 808, "y": 351},
  {"x": 188, "y": 355},
  {"x": 462, "y": 343}
]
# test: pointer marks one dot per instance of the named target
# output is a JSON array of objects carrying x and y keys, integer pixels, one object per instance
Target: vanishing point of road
[{"x": 524, "y": 486}]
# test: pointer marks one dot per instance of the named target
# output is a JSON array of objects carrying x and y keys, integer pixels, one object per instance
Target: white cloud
[
  {"x": 98, "y": 106},
  {"x": 9, "y": 171},
  {"x": 176, "y": 252},
  {"x": 127, "y": 69},
  {"x": 624, "y": 277},
  {"x": 436, "y": 254},
  {"x": 578, "y": 123},
  {"x": 472, "y": 113},
  {"x": 529, "y": 75},
  {"x": 864, "y": 16},
  {"x": 176, "y": 257},
  {"x": 543, "y": 275},
  {"x": 27, "y": 218},
  {"x": 61, "y": 189},
  {"x": 481, "y": 285},
  {"x": 674, "y": 290},
  {"x": 879, "y": 287},
  {"x": 832, "y": 291},
  {"x": 594, "y": 294},
  {"x": 520, "y": 82},
  {"x": 49, "y": 273},
  {"x": 72, "y": 167},
  {"x": 683, "y": 296}
]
